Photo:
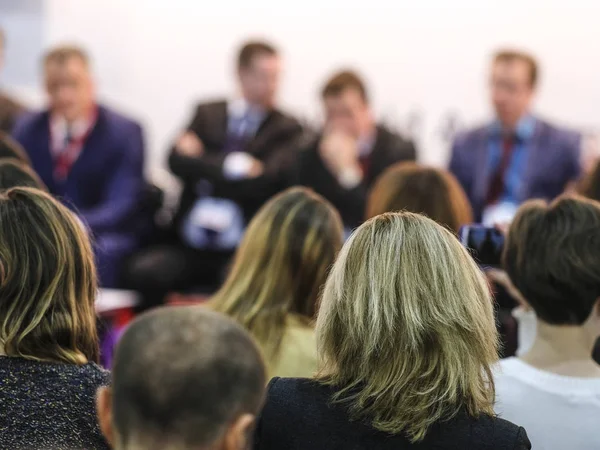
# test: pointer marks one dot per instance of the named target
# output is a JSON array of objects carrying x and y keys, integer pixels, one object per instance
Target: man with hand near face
[
  {"x": 517, "y": 156},
  {"x": 352, "y": 151}
]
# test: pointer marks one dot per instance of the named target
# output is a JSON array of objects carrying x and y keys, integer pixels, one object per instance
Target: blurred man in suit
[
  {"x": 343, "y": 162},
  {"x": 230, "y": 158},
  {"x": 517, "y": 156},
  {"x": 9, "y": 108},
  {"x": 89, "y": 156}
]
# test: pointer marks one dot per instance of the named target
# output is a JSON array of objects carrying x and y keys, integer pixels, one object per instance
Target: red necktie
[{"x": 497, "y": 183}]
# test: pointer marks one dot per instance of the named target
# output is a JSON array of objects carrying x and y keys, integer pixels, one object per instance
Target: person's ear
[
  {"x": 104, "y": 411},
  {"x": 239, "y": 433}
]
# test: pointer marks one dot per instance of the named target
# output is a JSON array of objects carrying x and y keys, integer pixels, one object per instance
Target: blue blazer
[
  {"x": 552, "y": 162},
  {"x": 105, "y": 183}
]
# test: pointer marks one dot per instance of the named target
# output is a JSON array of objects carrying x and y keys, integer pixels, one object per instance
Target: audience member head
[
  {"x": 281, "y": 265},
  {"x": 513, "y": 82},
  {"x": 183, "y": 378},
  {"x": 259, "y": 67},
  {"x": 424, "y": 190},
  {"x": 47, "y": 281},
  {"x": 15, "y": 173},
  {"x": 552, "y": 256},
  {"x": 346, "y": 105},
  {"x": 69, "y": 82},
  {"x": 9, "y": 148},
  {"x": 406, "y": 327}
]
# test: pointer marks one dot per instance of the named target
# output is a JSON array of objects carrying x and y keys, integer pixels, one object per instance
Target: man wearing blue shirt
[{"x": 517, "y": 156}]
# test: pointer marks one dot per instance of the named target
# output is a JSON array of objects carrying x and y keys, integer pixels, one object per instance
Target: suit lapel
[
  {"x": 263, "y": 134},
  {"x": 534, "y": 153},
  {"x": 481, "y": 161}
]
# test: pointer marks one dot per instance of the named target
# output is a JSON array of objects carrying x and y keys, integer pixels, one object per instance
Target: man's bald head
[{"x": 182, "y": 377}]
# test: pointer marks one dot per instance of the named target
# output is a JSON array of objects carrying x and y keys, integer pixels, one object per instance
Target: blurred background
[{"x": 426, "y": 62}]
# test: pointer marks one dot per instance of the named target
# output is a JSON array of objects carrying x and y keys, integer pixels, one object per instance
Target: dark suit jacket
[
  {"x": 552, "y": 161},
  {"x": 104, "y": 185},
  {"x": 299, "y": 415},
  {"x": 311, "y": 171},
  {"x": 273, "y": 145},
  {"x": 9, "y": 113}
]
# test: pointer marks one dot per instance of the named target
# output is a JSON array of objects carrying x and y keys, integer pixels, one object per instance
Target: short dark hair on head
[
  {"x": 63, "y": 53},
  {"x": 516, "y": 55},
  {"x": 251, "y": 50},
  {"x": 552, "y": 255},
  {"x": 9, "y": 148},
  {"x": 343, "y": 81},
  {"x": 182, "y": 375},
  {"x": 15, "y": 173}
]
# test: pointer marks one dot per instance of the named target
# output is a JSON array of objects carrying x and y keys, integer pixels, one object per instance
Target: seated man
[
  {"x": 352, "y": 151},
  {"x": 184, "y": 378},
  {"x": 230, "y": 158},
  {"x": 89, "y": 156},
  {"x": 517, "y": 156},
  {"x": 10, "y": 110}
]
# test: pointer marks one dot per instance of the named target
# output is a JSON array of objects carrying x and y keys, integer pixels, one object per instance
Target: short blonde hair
[
  {"x": 281, "y": 266},
  {"x": 424, "y": 190},
  {"x": 406, "y": 330},
  {"x": 47, "y": 280}
]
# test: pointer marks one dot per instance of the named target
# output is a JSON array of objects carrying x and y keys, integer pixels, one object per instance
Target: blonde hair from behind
[
  {"x": 424, "y": 190},
  {"x": 281, "y": 266},
  {"x": 47, "y": 280},
  {"x": 406, "y": 329}
]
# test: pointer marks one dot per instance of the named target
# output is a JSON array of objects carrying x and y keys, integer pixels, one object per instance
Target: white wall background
[{"x": 424, "y": 59}]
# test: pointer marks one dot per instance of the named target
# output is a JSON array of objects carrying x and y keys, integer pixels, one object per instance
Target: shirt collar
[
  {"x": 523, "y": 131},
  {"x": 240, "y": 107}
]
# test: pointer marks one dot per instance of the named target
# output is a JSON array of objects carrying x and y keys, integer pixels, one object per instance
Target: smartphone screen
[{"x": 484, "y": 243}]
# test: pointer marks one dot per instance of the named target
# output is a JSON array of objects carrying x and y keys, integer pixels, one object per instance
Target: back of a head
[
  {"x": 423, "y": 190},
  {"x": 552, "y": 255},
  {"x": 9, "y": 148},
  {"x": 47, "y": 280},
  {"x": 14, "y": 173},
  {"x": 590, "y": 187},
  {"x": 406, "y": 327},
  {"x": 181, "y": 377},
  {"x": 281, "y": 263}
]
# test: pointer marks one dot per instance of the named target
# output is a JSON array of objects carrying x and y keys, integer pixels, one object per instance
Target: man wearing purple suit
[
  {"x": 518, "y": 156},
  {"x": 89, "y": 156}
]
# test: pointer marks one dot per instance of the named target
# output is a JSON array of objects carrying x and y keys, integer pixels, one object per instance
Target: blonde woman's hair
[
  {"x": 406, "y": 329},
  {"x": 433, "y": 192},
  {"x": 281, "y": 265},
  {"x": 47, "y": 280}
]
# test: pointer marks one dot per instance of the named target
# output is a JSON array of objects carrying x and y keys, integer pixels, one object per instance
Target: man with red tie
[
  {"x": 517, "y": 156},
  {"x": 352, "y": 151},
  {"x": 89, "y": 156}
]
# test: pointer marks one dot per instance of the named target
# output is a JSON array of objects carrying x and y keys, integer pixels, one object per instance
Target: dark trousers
[{"x": 157, "y": 271}]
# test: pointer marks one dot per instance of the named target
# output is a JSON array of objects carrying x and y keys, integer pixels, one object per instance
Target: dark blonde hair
[
  {"x": 552, "y": 256},
  {"x": 281, "y": 265},
  {"x": 424, "y": 190},
  {"x": 510, "y": 55},
  {"x": 47, "y": 280},
  {"x": 406, "y": 329},
  {"x": 63, "y": 53},
  {"x": 342, "y": 81}
]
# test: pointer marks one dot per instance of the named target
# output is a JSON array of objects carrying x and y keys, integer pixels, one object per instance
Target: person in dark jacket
[
  {"x": 407, "y": 340},
  {"x": 48, "y": 340},
  {"x": 89, "y": 156},
  {"x": 344, "y": 161},
  {"x": 231, "y": 159}
]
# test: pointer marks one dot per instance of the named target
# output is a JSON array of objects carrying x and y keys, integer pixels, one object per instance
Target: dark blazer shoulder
[
  {"x": 210, "y": 106},
  {"x": 557, "y": 133},
  {"x": 466, "y": 137}
]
